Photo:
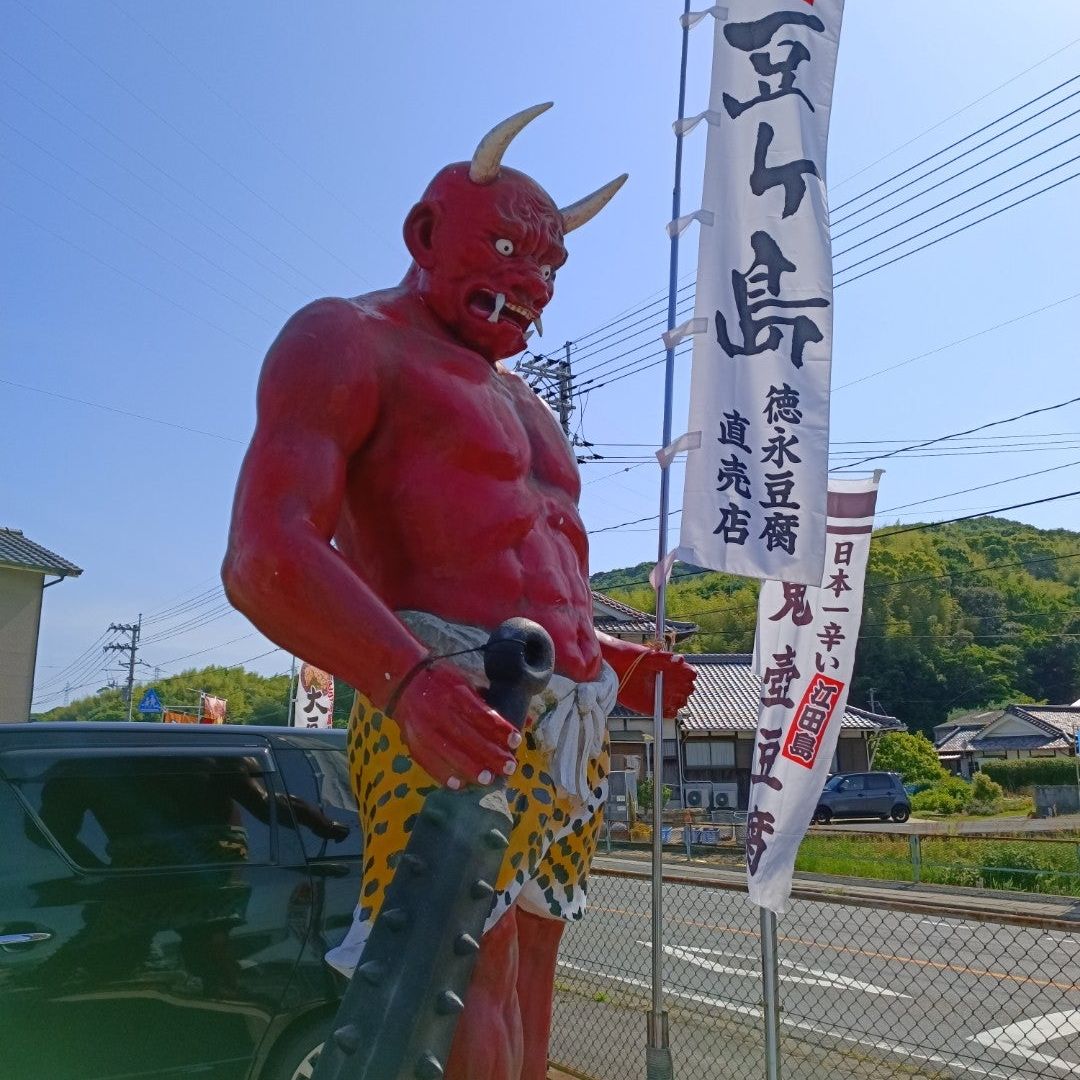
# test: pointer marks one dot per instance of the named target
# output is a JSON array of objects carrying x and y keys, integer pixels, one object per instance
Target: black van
[{"x": 167, "y": 895}]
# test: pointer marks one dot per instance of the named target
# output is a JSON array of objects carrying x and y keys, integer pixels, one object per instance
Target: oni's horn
[
  {"x": 575, "y": 215},
  {"x": 488, "y": 156}
]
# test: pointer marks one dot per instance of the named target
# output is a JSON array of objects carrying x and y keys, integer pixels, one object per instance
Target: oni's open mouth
[{"x": 494, "y": 308}]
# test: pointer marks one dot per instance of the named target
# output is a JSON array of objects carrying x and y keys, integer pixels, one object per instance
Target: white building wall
[{"x": 20, "y": 618}]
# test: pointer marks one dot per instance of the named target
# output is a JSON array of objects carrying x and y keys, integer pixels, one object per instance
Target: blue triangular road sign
[{"x": 150, "y": 702}]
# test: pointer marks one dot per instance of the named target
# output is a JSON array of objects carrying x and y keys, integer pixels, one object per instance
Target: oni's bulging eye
[
  {"x": 504, "y": 247},
  {"x": 545, "y": 272}
]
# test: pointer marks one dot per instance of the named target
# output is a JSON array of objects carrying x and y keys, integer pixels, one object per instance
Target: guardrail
[
  {"x": 876, "y": 983},
  {"x": 1019, "y": 862}
]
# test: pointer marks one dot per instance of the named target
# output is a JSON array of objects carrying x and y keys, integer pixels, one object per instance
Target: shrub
[
  {"x": 951, "y": 796},
  {"x": 1023, "y": 775},
  {"x": 986, "y": 796},
  {"x": 644, "y": 794}
]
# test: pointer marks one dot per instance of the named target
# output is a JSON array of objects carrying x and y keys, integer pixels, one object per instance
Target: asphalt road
[{"x": 865, "y": 993}]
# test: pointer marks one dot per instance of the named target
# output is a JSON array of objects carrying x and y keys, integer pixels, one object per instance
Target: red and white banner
[
  {"x": 314, "y": 703},
  {"x": 214, "y": 710},
  {"x": 804, "y": 654},
  {"x": 754, "y": 494}
]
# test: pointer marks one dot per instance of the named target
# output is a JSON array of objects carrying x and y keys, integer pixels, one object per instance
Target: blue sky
[{"x": 177, "y": 178}]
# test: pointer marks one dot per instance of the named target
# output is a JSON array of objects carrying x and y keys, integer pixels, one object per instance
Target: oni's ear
[{"x": 419, "y": 231}]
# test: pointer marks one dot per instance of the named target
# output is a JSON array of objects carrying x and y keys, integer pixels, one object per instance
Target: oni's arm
[
  {"x": 637, "y": 667},
  {"x": 317, "y": 403}
]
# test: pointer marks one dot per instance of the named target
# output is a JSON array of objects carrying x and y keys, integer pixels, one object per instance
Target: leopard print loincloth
[{"x": 552, "y": 839}]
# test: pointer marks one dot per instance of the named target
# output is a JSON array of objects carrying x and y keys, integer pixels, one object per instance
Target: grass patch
[
  {"x": 974, "y": 862},
  {"x": 852, "y": 855},
  {"x": 1012, "y": 807}
]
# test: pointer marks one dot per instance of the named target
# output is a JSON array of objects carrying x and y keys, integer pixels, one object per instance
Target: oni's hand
[
  {"x": 451, "y": 733},
  {"x": 639, "y": 691}
]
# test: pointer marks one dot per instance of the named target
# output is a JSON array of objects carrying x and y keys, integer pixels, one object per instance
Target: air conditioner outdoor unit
[
  {"x": 725, "y": 796},
  {"x": 698, "y": 796}
]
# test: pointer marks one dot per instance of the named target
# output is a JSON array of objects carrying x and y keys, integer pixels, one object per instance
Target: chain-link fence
[
  {"x": 1022, "y": 863},
  {"x": 867, "y": 992}
]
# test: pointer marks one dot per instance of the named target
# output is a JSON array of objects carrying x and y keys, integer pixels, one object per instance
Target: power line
[
  {"x": 128, "y": 277},
  {"x": 200, "y": 652},
  {"x": 195, "y": 623},
  {"x": 145, "y": 217},
  {"x": 997, "y": 510},
  {"x": 165, "y": 173},
  {"x": 953, "y": 145},
  {"x": 947, "y": 236},
  {"x": 957, "y": 216},
  {"x": 967, "y": 191},
  {"x": 958, "y": 341},
  {"x": 651, "y": 362},
  {"x": 981, "y": 487},
  {"x": 916, "y": 180},
  {"x": 617, "y": 336},
  {"x": 951, "y": 116},
  {"x": 81, "y": 665},
  {"x": 120, "y": 412},
  {"x": 661, "y": 297},
  {"x": 199, "y": 598},
  {"x": 136, "y": 240},
  {"x": 958, "y": 434},
  {"x": 298, "y": 165},
  {"x": 191, "y": 142},
  {"x": 917, "y": 528},
  {"x": 604, "y": 363}
]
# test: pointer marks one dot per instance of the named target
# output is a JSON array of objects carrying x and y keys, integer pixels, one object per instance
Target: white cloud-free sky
[{"x": 178, "y": 177}]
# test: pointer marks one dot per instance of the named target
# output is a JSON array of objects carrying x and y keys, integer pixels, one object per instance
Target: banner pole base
[
  {"x": 658, "y": 1063},
  {"x": 770, "y": 992}
]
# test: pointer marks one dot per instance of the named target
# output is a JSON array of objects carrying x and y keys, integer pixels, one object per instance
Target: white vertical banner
[
  {"x": 804, "y": 654},
  {"x": 754, "y": 495},
  {"x": 314, "y": 703}
]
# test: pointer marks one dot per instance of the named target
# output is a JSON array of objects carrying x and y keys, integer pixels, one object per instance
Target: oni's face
[{"x": 487, "y": 255}]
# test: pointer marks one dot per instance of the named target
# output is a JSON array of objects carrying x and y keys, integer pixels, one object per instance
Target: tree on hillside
[
  {"x": 954, "y": 616},
  {"x": 252, "y": 698},
  {"x": 912, "y": 756}
]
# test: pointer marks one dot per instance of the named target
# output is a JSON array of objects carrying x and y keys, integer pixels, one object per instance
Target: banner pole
[
  {"x": 658, "y": 1062},
  {"x": 770, "y": 993}
]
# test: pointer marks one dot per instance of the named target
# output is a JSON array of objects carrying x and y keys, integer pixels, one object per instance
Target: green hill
[
  {"x": 955, "y": 617},
  {"x": 253, "y": 699}
]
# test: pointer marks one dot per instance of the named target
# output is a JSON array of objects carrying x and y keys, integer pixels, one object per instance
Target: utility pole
[
  {"x": 290, "y": 705},
  {"x": 873, "y": 703},
  {"x": 553, "y": 381},
  {"x": 131, "y": 648}
]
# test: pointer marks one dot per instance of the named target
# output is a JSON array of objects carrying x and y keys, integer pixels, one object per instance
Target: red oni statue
[{"x": 403, "y": 494}]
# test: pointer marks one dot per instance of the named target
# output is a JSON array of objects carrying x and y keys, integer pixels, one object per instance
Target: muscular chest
[{"x": 484, "y": 424}]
